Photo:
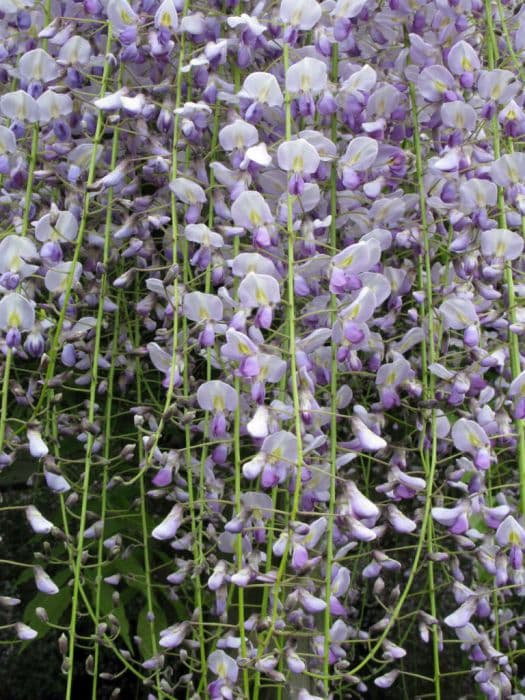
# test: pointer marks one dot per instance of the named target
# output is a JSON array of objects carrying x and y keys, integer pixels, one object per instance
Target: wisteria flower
[
  {"x": 16, "y": 254},
  {"x": 17, "y": 314},
  {"x": 218, "y": 397},
  {"x": 470, "y": 437},
  {"x": 275, "y": 460}
]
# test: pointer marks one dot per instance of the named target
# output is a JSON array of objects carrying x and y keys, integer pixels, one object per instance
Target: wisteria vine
[{"x": 261, "y": 282}]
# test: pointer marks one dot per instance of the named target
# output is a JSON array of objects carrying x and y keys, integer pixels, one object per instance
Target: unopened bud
[
  {"x": 42, "y": 615},
  {"x": 89, "y": 665},
  {"x": 62, "y": 644}
]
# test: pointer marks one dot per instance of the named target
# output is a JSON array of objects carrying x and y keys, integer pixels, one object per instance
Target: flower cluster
[{"x": 261, "y": 273}]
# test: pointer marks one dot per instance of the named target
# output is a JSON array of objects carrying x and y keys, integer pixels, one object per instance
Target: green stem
[
  {"x": 514, "y": 350},
  {"x": 333, "y": 399},
  {"x": 428, "y": 356},
  {"x": 5, "y": 396},
  {"x": 55, "y": 343},
  {"x": 109, "y": 404},
  {"x": 103, "y": 504},
  {"x": 293, "y": 372}
]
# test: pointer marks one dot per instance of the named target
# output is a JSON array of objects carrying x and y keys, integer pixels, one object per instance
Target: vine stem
[
  {"x": 514, "y": 350},
  {"x": 5, "y": 395},
  {"x": 109, "y": 403},
  {"x": 55, "y": 344},
  {"x": 290, "y": 232},
  {"x": 89, "y": 453},
  {"x": 333, "y": 398},
  {"x": 428, "y": 356}
]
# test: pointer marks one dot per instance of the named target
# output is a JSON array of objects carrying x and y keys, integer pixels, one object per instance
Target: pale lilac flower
[
  {"x": 37, "y": 447},
  {"x": 191, "y": 194},
  {"x": 309, "y": 75},
  {"x": 260, "y": 292},
  {"x": 57, "y": 277},
  {"x": 461, "y": 616},
  {"x": 19, "y": 106},
  {"x": 56, "y": 482},
  {"x": 44, "y": 583},
  {"x": 16, "y": 252},
  {"x": 16, "y": 314},
  {"x": 217, "y": 396},
  {"x": 167, "y": 529},
  {"x": 462, "y": 58},
  {"x": 262, "y": 88},
  {"x": 458, "y": 115},
  {"x": 300, "y": 14},
  {"x": 497, "y": 85},
  {"x": 458, "y": 313},
  {"x": 38, "y": 523},
  {"x": 361, "y": 82},
  {"x": 477, "y": 194},
  {"x": 508, "y": 170},
  {"x": 251, "y": 211},
  {"x": 53, "y": 106},
  {"x": 501, "y": 243},
  {"x": 517, "y": 389},
  {"x": 172, "y": 637},
  {"x": 468, "y": 436},
  {"x": 387, "y": 679},
  {"x": 348, "y": 9},
  {"x": 277, "y": 455},
  {"x": 9, "y": 602},
  {"x": 25, "y": 632},
  {"x": 76, "y": 51},
  {"x": 121, "y": 15},
  {"x": 368, "y": 440},
  {"x": 37, "y": 65},
  {"x": 510, "y": 532},
  {"x": 239, "y": 135},
  {"x": 453, "y": 518},
  {"x": 166, "y": 17},
  {"x": 206, "y": 309},
  {"x": 435, "y": 82},
  {"x": 252, "y": 262}
]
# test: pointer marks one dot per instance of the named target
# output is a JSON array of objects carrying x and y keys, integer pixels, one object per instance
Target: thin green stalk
[
  {"x": 5, "y": 396},
  {"x": 428, "y": 356},
  {"x": 35, "y": 131},
  {"x": 290, "y": 232},
  {"x": 109, "y": 402},
  {"x": 514, "y": 350},
  {"x": 99, "y": 130},
  {"x": 144, "y": 521},
  {"x": 333, "y": 399},
  {"x": 86, "y": 477},
  {"x": 103, "y": 504}
]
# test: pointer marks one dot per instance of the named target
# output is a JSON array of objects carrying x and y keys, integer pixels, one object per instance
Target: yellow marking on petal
[
  {"x": 306, "y": 83},
  {"x": 243, "y": 348},
  {"x": 466, "y": 64},
  {"x": 14, "y": 320},
  {"x": 440, "y": 86},
  {"x": 500, "y": 249},
  {"x": 514, "y": 538},
  {"x": 218, "y": 404},
  {"x": 353, "y": 313},
  {"x": 166, "y": 19},
  {"x": 298, "y": 164},
  {"x": 474, "y": 440},
  {"x": 261, "y": 297},
  {"x": 255, "y": 218},
  {"x": 222, "y": 670}
]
